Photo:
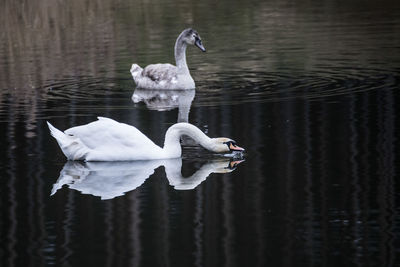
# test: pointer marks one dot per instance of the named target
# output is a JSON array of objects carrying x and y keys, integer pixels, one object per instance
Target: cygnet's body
[
  {"x": 167, "y": 76},
  {"x": 109, "y": 140}
]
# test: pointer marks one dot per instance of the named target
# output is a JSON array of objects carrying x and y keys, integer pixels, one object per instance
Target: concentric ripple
[
  {"x": 82, "y": 88},
  {"x": 82, "y": 94},
  {"x": 249, "y": 87}
]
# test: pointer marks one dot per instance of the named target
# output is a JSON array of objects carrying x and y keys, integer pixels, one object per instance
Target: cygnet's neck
[
  {"x": 172, "y": 138},
  {"x": 180, "y": 55}
]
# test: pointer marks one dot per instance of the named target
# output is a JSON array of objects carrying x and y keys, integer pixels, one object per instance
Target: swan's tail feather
[
  {"x": 136, "y": 70},
  {"x": 71, "y": 146}
]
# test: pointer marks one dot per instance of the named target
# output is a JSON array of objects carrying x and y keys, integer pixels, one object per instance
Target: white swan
[
  {"x": 109, "y": 140},
  {"x": 167, "y": 76}
]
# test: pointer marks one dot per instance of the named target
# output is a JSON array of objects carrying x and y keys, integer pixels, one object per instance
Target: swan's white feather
[
  {"x": 71, "y": 146},
  {"x": 106, "y": 140}
]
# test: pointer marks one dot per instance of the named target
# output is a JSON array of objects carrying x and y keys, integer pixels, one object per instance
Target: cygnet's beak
[
  {"x": 233, "y": 147},
  {"x": 199, "y": 45}
]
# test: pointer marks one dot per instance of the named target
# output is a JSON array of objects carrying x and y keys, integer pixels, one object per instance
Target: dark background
[{"x": 309, "y": 88}]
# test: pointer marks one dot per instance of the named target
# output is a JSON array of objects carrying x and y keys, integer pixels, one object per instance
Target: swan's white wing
[
  {"x": 111, "y": 136},
  {"x": 160, "y": 73}
]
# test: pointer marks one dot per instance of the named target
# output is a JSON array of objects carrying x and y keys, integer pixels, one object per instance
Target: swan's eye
[
  {"x": 232, "y": 143},
  {"x": 229, "y": 143}
]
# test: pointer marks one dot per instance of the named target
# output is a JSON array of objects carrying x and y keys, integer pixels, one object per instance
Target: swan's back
[
  {"x": 107, "y": 132},
  {"x": 110, "y": 140}
]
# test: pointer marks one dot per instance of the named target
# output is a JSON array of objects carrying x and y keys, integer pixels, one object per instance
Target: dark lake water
[{"x": 309, "y": 88}]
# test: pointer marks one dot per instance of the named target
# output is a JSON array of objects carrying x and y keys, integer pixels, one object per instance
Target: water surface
[{"x": 308, "y": 88}]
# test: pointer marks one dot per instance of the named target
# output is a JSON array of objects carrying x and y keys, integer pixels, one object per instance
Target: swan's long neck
[
  {"x": 180, "y": 55},
  {"x": 174, "y": 133}
]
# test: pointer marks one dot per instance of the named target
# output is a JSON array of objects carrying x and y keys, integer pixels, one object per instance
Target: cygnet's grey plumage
[{"x": 167, "y": 76}]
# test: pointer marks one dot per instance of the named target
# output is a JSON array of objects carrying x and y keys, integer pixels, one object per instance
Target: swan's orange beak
[{"x": 233, "y": 147}]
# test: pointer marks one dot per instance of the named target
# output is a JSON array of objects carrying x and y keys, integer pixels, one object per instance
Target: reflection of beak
[
  {"x": 234, "y": 163},
  {"x": 199, "y": 45},
  {"x": 235, "y": 148}
]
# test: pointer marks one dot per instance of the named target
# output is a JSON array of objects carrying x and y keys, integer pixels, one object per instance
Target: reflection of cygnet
[
  {"x": 162, "y": 100},
  {"x": 108, "y": 180}
]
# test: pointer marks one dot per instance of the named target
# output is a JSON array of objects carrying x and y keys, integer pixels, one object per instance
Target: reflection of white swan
[
  {"x": 109, "y": 140},
  {"x": 112, "y": 179},
  {"x": 105, "y": 179},
  {"x": 176, "y": 179},
  {"x": 167, "y": 76},
  {"x": 162, "y": 100}
]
